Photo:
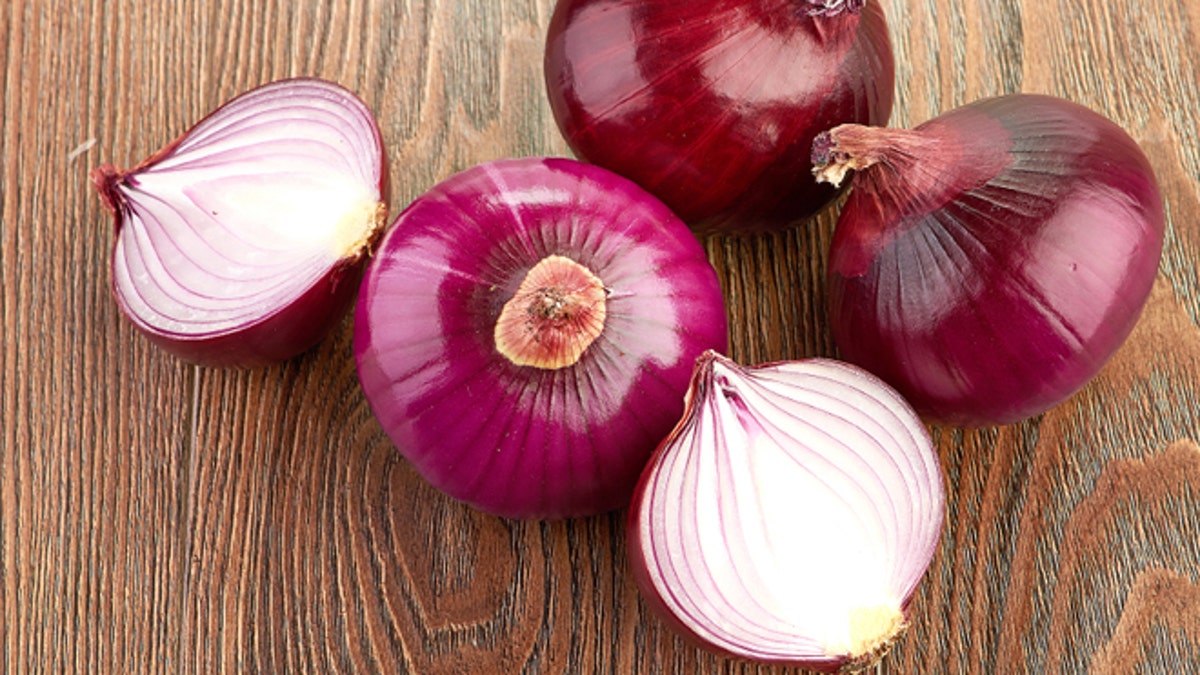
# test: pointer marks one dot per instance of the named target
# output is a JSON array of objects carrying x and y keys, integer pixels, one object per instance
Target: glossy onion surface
[
  {"x": 242, "y": 242},
  {"x": 995, "y": 257},
  {"x": 713, "y": 105},
  {"x": 790, "y": 515},
  {"x": 518, "y": 440}
]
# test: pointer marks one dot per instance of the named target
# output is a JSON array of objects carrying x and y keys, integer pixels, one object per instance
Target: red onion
[
  {"x": 712, "y": 105},
  {"x": 526, "y": 333},
  {"x": 790, "y": 515},
  {"x": 241, "y": 243},
  {"x": 989, "y": 262}
]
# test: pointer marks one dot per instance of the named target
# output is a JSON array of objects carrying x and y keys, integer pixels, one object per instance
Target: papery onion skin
[
  {"x": 713, "y": 105},
  {"x": 863, "y": 452},
  {"x": 271, "y": 331},
  {"x": 522, "y": 441},
  {"x": 990, "y": 261}
]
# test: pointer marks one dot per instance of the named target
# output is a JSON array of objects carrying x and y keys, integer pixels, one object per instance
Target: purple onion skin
[
  {"x": 995, "y": 281},
  {"x": 632, "y": 87},
  {"x": 293, "y": 330},
  {"x": 519, "y": 441}
]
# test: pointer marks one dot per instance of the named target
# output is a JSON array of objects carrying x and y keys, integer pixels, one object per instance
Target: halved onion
[
  {"x": 790, "y": 515},
  {"x": 242, "y": 242}
]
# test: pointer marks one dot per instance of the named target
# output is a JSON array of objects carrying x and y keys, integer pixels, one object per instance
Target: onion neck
[
  {"x": 920, "y": 167},
  {"x": 106, "y": 178},
  {"x": 898, "y": 173},
  {"x": 555, "y": 315},
  {"x": 831, "y": 7},
  {"x": 855, "y": 147},
  {"x": 904, "y": 174}
]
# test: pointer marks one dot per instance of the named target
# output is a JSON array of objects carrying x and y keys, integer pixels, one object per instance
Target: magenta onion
[
  {"x": 526, "y": 333},
  {"x": 712, "y": 105},
  {"x": 242, "y": 242},
  {"x": 989, "y": 262},
  {"x": 790, "y": 515}
]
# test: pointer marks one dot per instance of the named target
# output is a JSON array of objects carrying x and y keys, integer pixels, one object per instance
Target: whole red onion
[
  {"x": 242, "y": 242},
  {"x": 526, "y": 332},
  {"x": 989, "y": 262},
  {"x": 712, "y": 105}
]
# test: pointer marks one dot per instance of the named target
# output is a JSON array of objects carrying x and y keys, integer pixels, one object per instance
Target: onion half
[
  {"x": 526, "y": 332},
  {"x": 242, "y": 242},
  {"x": 790, "y": 515},
  {"x": 990, "y": 261},
  {"x": 713, "y": 105}
]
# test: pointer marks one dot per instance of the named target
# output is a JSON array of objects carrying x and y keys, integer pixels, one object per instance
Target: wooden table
[{"x": 159, "y": 517}]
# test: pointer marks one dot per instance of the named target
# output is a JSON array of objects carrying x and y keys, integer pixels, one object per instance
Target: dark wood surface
[{"x": 158, "y": 517}]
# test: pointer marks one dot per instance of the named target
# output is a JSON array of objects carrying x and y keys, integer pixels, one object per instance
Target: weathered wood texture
[{"x": 156, "y": 517}]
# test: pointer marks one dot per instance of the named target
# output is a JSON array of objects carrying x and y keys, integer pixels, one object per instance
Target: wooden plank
[{"x": 95, "y": 423}]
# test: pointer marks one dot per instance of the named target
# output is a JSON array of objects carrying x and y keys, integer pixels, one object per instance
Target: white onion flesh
[
  {"x": 791, "y": 514},
  {"x": 248, "y": 210}
]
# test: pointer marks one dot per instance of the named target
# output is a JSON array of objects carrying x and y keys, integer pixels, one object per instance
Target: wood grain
[{"x": 160, "y": 518}]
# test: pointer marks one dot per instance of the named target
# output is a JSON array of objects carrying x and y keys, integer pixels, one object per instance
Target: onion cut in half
[
  {"x": 242, "y": 242},
  {"x": 790, "y": 515}
]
